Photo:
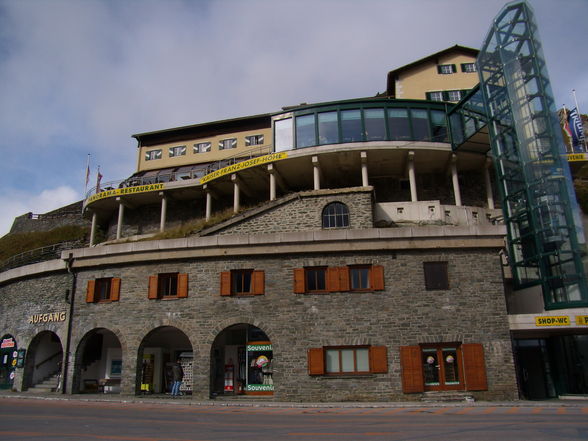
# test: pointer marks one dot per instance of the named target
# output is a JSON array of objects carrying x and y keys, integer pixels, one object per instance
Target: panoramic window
[
  {"x": 445, "y": 69},
  {"x": 436, "y": 275},
  {"x": 152, "y": 154},
  {"x": 351, "y": 130},
  {"x": 420, "y": 125},
  {"x": 202, "y": 147},
  {"x": 177, "y": 151},
  {"x": 398, "y": 124},
  {"x": 229, "y": 143},
  {"x": 328, "y": 129},
  {"x": 283, "y": 133},
  {"x": 468, "y": 67},
  {"x": 439, "y": 126},
  {"x": 375, "y": 125},
  {"x": 305, "y": 131},
  {"x": 253, "y": 140},
  {"x": 335, "y": 215}
]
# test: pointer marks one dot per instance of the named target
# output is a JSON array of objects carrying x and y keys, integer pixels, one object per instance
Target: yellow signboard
[
  {"x": 126, "y": 190},
  {"x": 577, "y": 157},
  {"x": 582, "y": 320},
  {"x": 562, "y": 320},
  {"x": 241, "y": 165}
]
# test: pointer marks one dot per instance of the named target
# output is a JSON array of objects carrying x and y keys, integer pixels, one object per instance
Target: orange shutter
[
  {"x": 152, "y": 294},
  {"x": 225, "y": 283},
  {"x": 183, "y": 285},
  {"x": 299, "y": 280},
  {"x": 378, "y": 359},
  {"x": 114, "y": 289},
  {"x": 316, "y": 361},
  {"x": 258, "y": 281},
  {"x": 333, "y": 279},
  {"x": 344, "y": 278},
  {"x": 474, "y": 366},
  {"x": 377, "y": 278},
  {"x": 412, "y": 369},
  {"x": 90, "y": 291}
]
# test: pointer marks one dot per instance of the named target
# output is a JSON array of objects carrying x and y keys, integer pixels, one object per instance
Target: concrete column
[
  {"x": 316, "y": 173},
  {"x": 121, "y": 214},
  {"x": 236, "y": 193},
  {"x": 455, "y": 180},
  {"x": 489, "y": 194},
  {"x": 364, "y": 170},
  {"x": 412, "y": 177},
  {"x": 163, "y": 211},
  {"x": 272, "y": 176},
  {"x": 93, "y": 229},
  {"x": 208, "y": 202}
]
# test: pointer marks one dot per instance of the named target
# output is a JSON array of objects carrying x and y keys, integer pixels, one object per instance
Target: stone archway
[{"x": 43, "y": 363}]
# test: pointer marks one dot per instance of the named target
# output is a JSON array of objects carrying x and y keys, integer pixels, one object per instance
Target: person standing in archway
[{"x": 178, "y": 376}]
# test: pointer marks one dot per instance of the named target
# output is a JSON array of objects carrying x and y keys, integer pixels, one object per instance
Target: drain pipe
[{"x": 70, "y": 295}]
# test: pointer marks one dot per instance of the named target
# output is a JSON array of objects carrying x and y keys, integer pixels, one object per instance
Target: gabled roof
[{"x": 390, "y": 85}]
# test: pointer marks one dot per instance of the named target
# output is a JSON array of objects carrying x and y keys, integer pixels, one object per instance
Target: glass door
[{"x": 442, "y": 367}]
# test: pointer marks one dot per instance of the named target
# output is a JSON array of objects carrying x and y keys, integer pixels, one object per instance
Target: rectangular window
[
  {"x": 328, "y": 129},
  {"x": 316, "y": 279},
  {"x": 351, "y": 130},
  {"x": 348, "y": 360},
  {"x": 375, "y": 124},
  {"x": 339, "y": 279},
  {"x": 454, "y": 95},
  {"x": 399, "y": 124},
  {"x": 439, "y": 125},
  {"x": 153, "y": 154},
  {"x": 202, "y": 147},
  {"x": 229, "y": 143},
  {"x": 435, "y": 96},
  {"x": 242, "y": 282},
  {"x": 103, "y": 289},
  {"x": 106, "y": 289},
  {"x": 436, "y": 275},
  {"x": 284, "y": 138},
  {"x": 445, "y": 69},
  {"x": 359, "y": 278},
  {"x": 420, "y": 125},
  {"x": 468, "y": 67},
  {"x": 253, "y": 140},
  {"x": 177, "y": 151},
  {"x": 168, "y": 286},
  {"x": 305, "y": 131}
]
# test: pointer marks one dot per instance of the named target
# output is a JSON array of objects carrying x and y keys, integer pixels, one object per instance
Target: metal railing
[{"x": 40, "y": 254}]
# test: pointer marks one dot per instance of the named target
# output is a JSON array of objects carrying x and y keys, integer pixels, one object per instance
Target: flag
[
  {"x": 577, "y": 130},
  {"x": 98, "y": 179},
  {"x": 87, "y": 174}
]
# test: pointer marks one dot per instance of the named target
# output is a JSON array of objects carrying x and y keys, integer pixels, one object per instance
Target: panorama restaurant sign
[{"x": 124, "y": 191}]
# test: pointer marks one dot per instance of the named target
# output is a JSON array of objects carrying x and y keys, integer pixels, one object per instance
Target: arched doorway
[
  {"x": 157, "y": 352},
  {"x": 8, "y": 361},
  {"x": 43, "y": 363},
  {"x": 98, "y": 362},
  {"x": 241, "y": 362}
]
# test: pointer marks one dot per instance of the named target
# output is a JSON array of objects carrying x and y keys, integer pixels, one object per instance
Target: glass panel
[
  {"x": 450, "y": 366},
  {"x": 431, "y": 367},
  {"x": 315, "y": 279},
  {"x": 359, "y": 278},
  {"x": 328, "y": 128},
  {"x": 399, "y": 125},
  {"x": 351, "y": 126},
  {"x": 420, "y": 125},
  {"x": 375, "y": 126},
  {"x": 283, "y": 134},
  {"x": 363, "y": 360},
  {"x": 305, "y": 134},
  {"x": 439, "y": 126},
  {"x": 332, "y": 359},
  {"x": 347, "y": 361}
]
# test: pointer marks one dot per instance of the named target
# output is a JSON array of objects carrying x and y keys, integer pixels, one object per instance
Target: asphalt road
[{"x": 65, "y": 420}]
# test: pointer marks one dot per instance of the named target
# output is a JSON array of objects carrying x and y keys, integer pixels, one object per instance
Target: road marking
[
  {"x": 537, "y": 410},
  {"x": 464, "y": 411},
  {"x": 489, "y": 410},
  {"x": 513, "y": 410},
  {"x": 561, "y": 411}
]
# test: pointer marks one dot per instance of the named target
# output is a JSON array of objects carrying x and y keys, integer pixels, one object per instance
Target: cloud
[{"x": 21, "y": 202}]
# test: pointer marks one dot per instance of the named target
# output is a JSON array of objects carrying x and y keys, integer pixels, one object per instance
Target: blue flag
[{"x": 577, "y": 129}]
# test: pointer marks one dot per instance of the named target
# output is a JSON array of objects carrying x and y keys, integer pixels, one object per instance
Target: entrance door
[{"x": 441, "y": 367}]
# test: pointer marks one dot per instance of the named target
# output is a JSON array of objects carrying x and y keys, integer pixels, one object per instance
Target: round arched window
[{"x": 335, "y": 215}]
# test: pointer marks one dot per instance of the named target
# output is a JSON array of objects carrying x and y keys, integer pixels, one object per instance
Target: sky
[{"x": 79, "y": 77}]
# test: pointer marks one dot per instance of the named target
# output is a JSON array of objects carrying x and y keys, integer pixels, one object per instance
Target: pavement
[{"x": 243, "y": 401}]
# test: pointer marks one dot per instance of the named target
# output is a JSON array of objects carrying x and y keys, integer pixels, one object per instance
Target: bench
[{"x": 107, "y": 382}]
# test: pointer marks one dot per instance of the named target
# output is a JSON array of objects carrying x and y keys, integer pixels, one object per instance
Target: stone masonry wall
[{"x": 64, "y": 216}]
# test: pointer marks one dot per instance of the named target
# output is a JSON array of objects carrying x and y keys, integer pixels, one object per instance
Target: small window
[
  {"x": 105, "y": 289},
  {"x": 435, "y": 96},
  {"x": 322, "y": 279},
  {"x": 202, "y": 147},
  {"x": 242, "y": 282},
  {"x": 253, "y": 140},
  {"x": 177, "y": 151},
  {"x": 359, "y": 278},
  {"x": 152, "y": 154},
  {"x": 168, "y": 286},
  {"x": 335, "y": 215},
  {"x": 445, "y": 69},
  {"x": 436, "y": 275},
  {"x": 229, "y": 143},
  {"x": 454, "y": 95},
  {"x": 348, "y": 360},
  {"x": 468, "y": 67},
  {"x": 315, "y": 279}
]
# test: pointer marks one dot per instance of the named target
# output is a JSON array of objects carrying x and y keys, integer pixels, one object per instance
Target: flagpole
[
  {"x": 87, "y": 175},
  {"x": 580, "y": 116}
]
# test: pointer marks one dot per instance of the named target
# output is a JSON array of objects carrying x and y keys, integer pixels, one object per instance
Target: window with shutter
[
  {"x": 166, "y": 286},
  {"x": 90, "y": 290},
  {"x": 347, "y": 360},
  {"x": 242, "y": 282},
  {"x": 105, "y": 289}
]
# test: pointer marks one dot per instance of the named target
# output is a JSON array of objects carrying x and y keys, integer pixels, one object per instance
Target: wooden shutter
[
  {"x": 258, "y": 281},
  {"x": 474, "y": 366},
  {"x": 152, "y": 287},
  {"x": 316, "y": 361},
  {"x": 90, "y": 291},
  {"x": 412, "y": 369},
  {"x": 333, "y": 279},
  {"x": 377, "y": 278},
  {"x": 299, "y": 280},
  {"x": 344, "y": 278},
  {"x": 378, "y": 359},
  {"x": 453, "y": 68},
  {"x": 182, "y": 285},
  {"x": 225, "y": 283},
  {"x": 114, "y": 289}
]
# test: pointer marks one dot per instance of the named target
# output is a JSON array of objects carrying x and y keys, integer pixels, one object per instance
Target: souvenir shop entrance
[{"x": 241, "y": 362}]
